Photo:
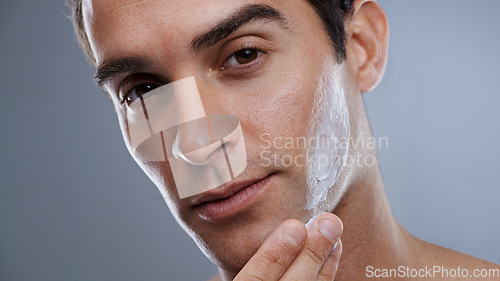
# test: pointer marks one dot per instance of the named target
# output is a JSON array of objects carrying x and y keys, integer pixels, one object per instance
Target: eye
[
  {"x": 242, "y": 57},
  {"x": 137, "y": 92}
]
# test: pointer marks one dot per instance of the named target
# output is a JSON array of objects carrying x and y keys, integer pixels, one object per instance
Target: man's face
[{"x": 267, "y": 72}]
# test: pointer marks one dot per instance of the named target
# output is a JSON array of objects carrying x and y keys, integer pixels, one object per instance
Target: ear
[{"x": 367, "y": 40}]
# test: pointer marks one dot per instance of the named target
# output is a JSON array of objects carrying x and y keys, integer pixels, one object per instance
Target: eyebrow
[
  {"x": 247, "y": 14},
  {"x": 114, "y": 67}
]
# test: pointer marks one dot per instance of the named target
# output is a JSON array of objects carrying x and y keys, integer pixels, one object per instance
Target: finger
[
  {"x": 276, "y": 253},
  {"x": 322, "y": 235},
  {"x": 329, "y": 268}
]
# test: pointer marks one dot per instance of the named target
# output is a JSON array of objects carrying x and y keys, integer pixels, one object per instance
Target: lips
[{"x": 228, "y": 199}]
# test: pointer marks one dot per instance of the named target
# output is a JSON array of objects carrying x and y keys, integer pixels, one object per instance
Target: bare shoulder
[
  {"x": 455, "y": 261},
  {"x": 215, "y": 278}
]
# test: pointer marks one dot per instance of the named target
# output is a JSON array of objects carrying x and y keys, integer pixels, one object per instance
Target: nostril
[
  {"x": 197, "y": 140},
  {"x": 193, "y": 142},
  {"x": 205, "y": 153},
  {"x": 198, "y": 157}
]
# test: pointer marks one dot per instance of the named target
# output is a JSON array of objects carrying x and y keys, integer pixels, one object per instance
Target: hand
[{"x": 293, "y": 252}]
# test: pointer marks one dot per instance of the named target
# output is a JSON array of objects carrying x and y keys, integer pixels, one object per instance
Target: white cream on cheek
[{"x": 330, "y": 132}]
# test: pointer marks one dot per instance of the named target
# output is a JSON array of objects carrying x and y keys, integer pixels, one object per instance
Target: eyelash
[
  {"x": 259, "y": 51},
  {"x": 129, "y": 86}
]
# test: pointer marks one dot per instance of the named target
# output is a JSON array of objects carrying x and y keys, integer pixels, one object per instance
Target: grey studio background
[{"x": 74, "y": 205}]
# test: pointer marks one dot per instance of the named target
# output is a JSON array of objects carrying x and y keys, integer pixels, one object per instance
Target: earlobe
[{"x": 367, "y": 39}]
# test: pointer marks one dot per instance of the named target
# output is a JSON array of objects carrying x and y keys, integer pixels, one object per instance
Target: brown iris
[
  {"x": 138, "y": 92},
  {"x": 245, "y": 56}
]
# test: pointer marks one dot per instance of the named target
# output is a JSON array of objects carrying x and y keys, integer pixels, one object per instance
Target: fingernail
[
  {"x": 292, "y": 235},
  {"x": 329, "y": 229},
  {"x": 335, "y": 247},
  {"x": 311, "y": 221}
]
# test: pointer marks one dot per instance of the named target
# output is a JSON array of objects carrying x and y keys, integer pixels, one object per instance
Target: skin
[{"x": 273, "y": 96}]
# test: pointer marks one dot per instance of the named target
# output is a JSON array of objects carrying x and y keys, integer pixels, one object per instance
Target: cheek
[
  {"x": 331, "y": 135},
  {"x": 123, "y": 125},
  {"x": 158, "y": 172},
  {"x": 282, "y": 109}
]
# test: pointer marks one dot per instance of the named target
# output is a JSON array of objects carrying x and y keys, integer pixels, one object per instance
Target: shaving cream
[{"x": 331, "y": 131}]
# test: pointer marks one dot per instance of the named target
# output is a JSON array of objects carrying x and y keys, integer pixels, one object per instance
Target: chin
[
  {"x": 229, "y": 244},
  {"x": 231, "y": 248}
]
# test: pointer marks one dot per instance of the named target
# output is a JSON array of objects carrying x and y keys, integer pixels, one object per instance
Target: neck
[{"x": 371, "y": 237}]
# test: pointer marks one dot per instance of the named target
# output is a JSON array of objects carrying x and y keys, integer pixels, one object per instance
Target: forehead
[{"x": 126, "y": 26}]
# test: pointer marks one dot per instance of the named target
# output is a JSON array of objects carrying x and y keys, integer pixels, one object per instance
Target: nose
[{"x": 195, "y": 142}]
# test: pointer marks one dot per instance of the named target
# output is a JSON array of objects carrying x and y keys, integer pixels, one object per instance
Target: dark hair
[{"x": 333, "y": 13}]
